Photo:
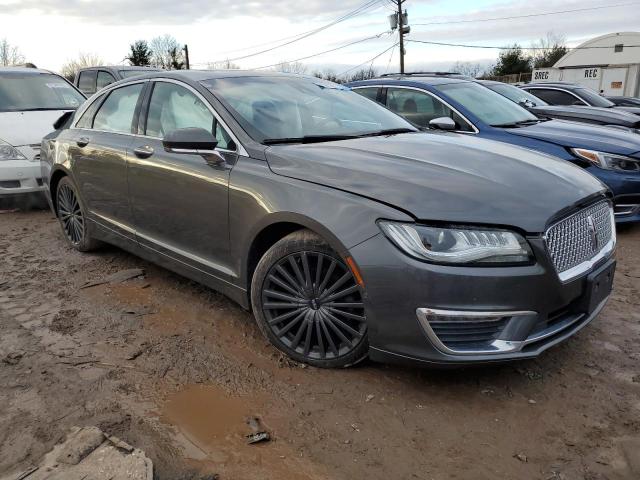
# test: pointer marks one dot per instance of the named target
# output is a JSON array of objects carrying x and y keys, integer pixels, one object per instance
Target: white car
[{"x": 31, "y": 100}]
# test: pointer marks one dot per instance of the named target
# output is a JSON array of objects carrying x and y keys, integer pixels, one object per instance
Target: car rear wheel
[
  {"x": 308, "y": 304},
  {"x": 71, "y": 214}
]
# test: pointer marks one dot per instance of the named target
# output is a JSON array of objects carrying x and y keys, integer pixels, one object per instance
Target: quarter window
[
  {"x": 87, "y": 117},
  {"x": 173, "y": 107},
  {"x": 87, "y": 82},
  {"x": 370, "y": 92},
  {"x": 117, "y": 112},
  {"x": 420, "y": 108},
  {"x": 104, "y": 79}
]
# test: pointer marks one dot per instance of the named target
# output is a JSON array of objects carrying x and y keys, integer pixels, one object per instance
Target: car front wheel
[{"x": 308, "y": 303}]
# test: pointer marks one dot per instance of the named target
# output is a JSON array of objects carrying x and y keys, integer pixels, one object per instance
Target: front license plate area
[{"x": 599, "y": 285}]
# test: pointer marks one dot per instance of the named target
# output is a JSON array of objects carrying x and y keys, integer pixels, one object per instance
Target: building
[{"x": 608, "y": 64}]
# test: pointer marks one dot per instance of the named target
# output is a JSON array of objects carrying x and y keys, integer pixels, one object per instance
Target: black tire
[
  {"x": 72, "y": 216},
  {"x": 308, "y": 304}
]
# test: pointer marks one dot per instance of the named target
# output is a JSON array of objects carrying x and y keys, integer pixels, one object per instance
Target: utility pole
[
  {"x": 401, "y": 34},
  {"x": 400, "y": 21},
  {"x": 186, "y": 56}
]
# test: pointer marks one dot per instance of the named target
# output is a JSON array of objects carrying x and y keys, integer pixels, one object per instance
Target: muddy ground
[{"x": 176, "y": 369}]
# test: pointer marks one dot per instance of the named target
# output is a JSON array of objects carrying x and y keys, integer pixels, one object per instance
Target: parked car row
[
  {"x": 419, "y": 218},
  {"x": 449, "y": 102}
]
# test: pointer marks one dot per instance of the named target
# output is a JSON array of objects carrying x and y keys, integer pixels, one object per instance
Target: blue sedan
[{"x": 444, "y": 102}]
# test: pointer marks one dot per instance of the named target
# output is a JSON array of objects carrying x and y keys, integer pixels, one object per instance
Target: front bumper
[
  {"x": 626, "y": 191},
  {"x": 533, "y": 309},
  {"x": 20, "y": 177}
]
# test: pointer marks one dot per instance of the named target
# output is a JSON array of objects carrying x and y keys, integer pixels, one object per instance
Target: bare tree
[
  {"x": 70, "y": 68},
  {"x": 9, "y": 54},
  {"x": 467, "y": 68},
  {"x": 328, "y": 74},
  {"x": 362, "y": 74},
  {"x": 166, "y": 53},
  {"x": 292, "y": 67},
  {"x": 547, "y": 51},
  {"x": 225, "y": 65}
]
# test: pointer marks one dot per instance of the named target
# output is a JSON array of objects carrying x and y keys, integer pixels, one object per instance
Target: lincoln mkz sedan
[{"x": 346, "y": 230}]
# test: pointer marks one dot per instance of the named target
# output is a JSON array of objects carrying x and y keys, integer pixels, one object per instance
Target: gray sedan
[{"x": 347, "y": 231}]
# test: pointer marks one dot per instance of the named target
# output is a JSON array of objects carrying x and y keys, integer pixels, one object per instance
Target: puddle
[
  {"x": 208, "y": 416},
  {"x": 210, "y": 425}
]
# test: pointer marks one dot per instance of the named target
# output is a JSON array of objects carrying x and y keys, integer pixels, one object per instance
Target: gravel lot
[{"x": 176, "y": 369}]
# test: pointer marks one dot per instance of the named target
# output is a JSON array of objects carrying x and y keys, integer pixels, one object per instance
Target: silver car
[{"x": 31, "y": 100}]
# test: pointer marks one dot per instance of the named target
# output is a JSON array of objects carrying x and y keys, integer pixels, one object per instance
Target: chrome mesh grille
[{"x": 580, "y": 237}]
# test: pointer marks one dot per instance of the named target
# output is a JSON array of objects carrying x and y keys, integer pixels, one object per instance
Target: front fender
[{"x": 258, "y": 199}]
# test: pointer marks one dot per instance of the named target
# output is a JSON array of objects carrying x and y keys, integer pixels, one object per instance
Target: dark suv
[
  {"x": 90, "y": 80},
  {"x": 346, "y": 230}
]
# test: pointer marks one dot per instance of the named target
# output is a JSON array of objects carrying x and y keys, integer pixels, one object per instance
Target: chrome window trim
[
  {"x": 405, "y": 87},
  {"x": 240, "y": 150}
]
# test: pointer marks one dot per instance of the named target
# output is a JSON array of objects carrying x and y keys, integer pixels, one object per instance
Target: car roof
[
  {"x": 553, "y": 84},
  {"x": 436, "y": 78},
  {"x": 119, "y": 67},
  {"x": 35, "y": 71}
]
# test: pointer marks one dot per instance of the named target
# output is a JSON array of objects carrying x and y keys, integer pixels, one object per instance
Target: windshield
[
  {"x": 515, "y": 94},
  {"x": 272, "y": 108},
  {"x": 490, "y": 107},
  {"x": 134, "y": 73},
  {"x": 22, "y": 91},
  {"x": 593, "y": 99}
]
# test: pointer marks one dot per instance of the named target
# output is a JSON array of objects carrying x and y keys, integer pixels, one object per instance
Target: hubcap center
[{"x": 314, "y": 304}]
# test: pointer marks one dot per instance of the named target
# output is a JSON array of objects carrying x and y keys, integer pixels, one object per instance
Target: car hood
[
  {"x": 27, "y": 128},
  {"x": 609, "y": 116},
  {"x": 635, "y": 110},
  {"x": 443, "y": 177},
  {"x": 581, "y": 135}
]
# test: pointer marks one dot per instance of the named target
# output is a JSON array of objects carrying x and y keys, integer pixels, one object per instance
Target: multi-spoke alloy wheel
[
  {"x": 70, "y": 214},
  {"x": 312, "y": 307},
  {"x": 72, "y": 218}
]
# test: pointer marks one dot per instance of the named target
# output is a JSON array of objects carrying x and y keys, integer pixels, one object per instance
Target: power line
[
  {"x": 326, "y": 51},
  {"x": 529, "y": 15},
  {"x": 390, "y": 58},
  {"x": 352, "y": 14},
  {"x": 510, "y": 47},
  {"x": 370, "y": 60}
]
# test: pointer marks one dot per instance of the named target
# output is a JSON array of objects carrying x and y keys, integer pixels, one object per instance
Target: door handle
[
  {"x": 82, "y": 142},
  {"x": 143, "y": 152}
]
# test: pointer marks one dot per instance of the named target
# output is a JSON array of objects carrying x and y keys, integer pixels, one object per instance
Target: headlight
[
  {"x": 608, "y": 161},
  {"x": 458, "y": 245},
  {"x": 9, "y": 152}
]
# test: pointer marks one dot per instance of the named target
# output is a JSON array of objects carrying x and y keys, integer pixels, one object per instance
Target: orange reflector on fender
[{"x": 354, "y": 269}]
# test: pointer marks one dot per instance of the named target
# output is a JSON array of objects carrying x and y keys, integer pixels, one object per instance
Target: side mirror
[
  {"x": 526, "y": 103},
  {"x": 443, "y": 123},
  {"x": 189, "y": 140}
]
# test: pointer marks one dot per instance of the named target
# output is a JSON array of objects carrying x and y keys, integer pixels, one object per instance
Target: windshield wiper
[
  {"x": 388, "y": 131},
  {"x": 307, "y": 139},
  {"x": 521, "y": 123}
]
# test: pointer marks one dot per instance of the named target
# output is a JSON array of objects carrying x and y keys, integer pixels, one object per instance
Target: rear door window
[
  {"x": 87, "y": 82},
  {"x": 117, "y": 112},
  {"x": 555, "y": 97}
]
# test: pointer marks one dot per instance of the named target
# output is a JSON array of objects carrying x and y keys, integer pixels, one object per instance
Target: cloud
[
  {"x": 172, "y": 12},
  {"x": 574, "y": 26}
]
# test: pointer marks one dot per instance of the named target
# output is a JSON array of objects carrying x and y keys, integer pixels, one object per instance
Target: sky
[{"x": 51, "y": 32}]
